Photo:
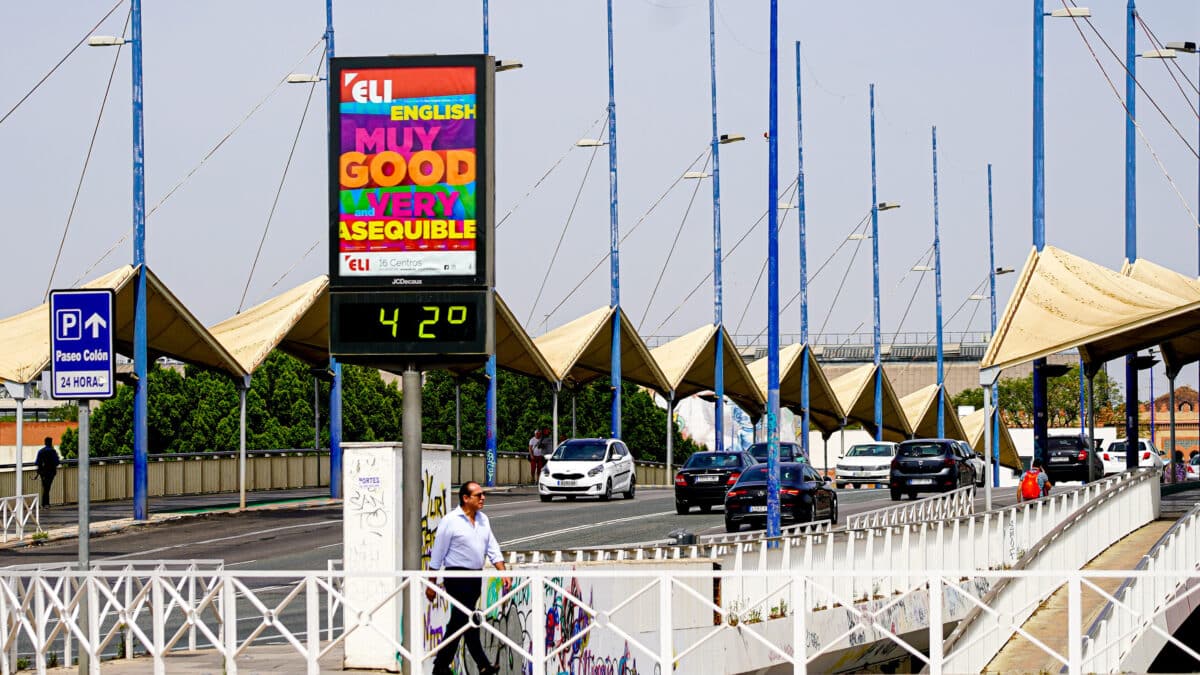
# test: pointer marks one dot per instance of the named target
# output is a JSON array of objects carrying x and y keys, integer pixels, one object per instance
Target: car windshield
[
  {"x": 758, "y": 473},
  {"x": 1063, "y": 443},
  {"x": 921, "y": 450},
  {"x": 712, "y": 460},
  {"x": 870, "y": 451},
  {"x": 580, "y": 451},
  {"x": 786, "y": 451}
]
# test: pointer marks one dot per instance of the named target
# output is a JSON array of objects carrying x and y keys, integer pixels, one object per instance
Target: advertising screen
[{"x": 410, "y": 171}]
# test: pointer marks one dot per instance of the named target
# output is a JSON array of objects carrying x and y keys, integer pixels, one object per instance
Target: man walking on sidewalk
[
  {"x": 47, "y": 468},
  {"x": 463, "y": 539}
]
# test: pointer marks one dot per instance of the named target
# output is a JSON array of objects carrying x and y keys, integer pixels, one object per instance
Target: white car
[
  {"x": 977, "y": 462},
  {"x": 1114, "y": 456},
  {"x": 865, "y": 463},
  {"x": 588, "y": 467}
]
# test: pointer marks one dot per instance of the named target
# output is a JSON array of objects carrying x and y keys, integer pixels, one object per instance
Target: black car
[
  {"x": 788, "y": 452},
  {"x": 1070, "y": 458},
  {"x": 804, "y": 496},
  {"x": 929, "y": 465},
  {"x": 703, "y": 480}
]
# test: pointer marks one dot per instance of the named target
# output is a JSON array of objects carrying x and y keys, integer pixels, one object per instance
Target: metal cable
[
  {"x": 87, "y": 160},
  {"x": 723, "y": 258},
  {"x": 1166, "y": 174},
  {"x": 279, "y": 190},
  {"x": 562, "y": 235},
  {"x": 762, "y": 270},
  {"x": 545, "y": 175},
  {"x": 912, "y": 299},
  {"x": 1167, "y": 65},
  {"x": 623, "y": 238},
  {"x": 842, "y": 285},
  {"x": 203, "y": 160},
  {"x": 674, "y": 242},
  {"x": 60, "y": 62}
]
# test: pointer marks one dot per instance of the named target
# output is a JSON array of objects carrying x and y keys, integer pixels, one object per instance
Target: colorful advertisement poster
[{"x": 407, "y": 145}]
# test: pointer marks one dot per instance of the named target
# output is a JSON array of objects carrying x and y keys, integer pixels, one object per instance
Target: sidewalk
[
  {"x": 256, "y": 659},
  {"x": 62, "y": 521}
]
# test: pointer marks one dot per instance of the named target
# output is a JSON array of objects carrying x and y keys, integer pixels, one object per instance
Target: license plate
[
  {"x": 566, "y": 483},
  {"x": 707, "y": 479},
  {"x": 921, "y": 481},
  {"x": 1055, "y": 460},
  {"x": 849, "y": 473},
  {"x": 758, "y": 509}
]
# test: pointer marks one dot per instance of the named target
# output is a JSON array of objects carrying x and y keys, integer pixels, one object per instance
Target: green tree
[{"x": 1062, "y": 397}]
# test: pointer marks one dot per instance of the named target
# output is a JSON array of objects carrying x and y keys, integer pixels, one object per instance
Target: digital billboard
[{"x": 410, "y": 171}]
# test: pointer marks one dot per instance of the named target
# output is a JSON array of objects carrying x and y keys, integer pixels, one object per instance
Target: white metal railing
[
  {"x": 1101, "y": 521},
  {"x": 16, "y": 521},
  {"x": 960, "y": 502},
  {"x": 541, "y": 621},
  {"x": 1125, "y": 636}
]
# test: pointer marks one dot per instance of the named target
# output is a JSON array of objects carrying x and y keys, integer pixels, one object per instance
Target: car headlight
[{"x": 596, "y": 471}]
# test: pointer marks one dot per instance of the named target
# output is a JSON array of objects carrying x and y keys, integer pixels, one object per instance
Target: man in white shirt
[
  {"x": 535, "y": 456},
  {"x": 464, "y": 538}
]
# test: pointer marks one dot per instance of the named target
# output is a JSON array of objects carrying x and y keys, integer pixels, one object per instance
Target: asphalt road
[{"x": 307, "y": 538}]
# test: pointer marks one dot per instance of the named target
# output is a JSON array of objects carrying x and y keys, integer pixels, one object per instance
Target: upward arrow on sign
[{"x": 95, "y": 322}]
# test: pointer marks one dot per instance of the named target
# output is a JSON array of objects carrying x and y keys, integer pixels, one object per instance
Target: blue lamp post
[
  {"x": 804, "y": 388},
  {"x": 335, "y": 388},
  {"x": 489, "y": 415},
  {"x": 718, "y": 319},
  {"x": 937, "y": 282},
  {"x": 1040, "y": 421},
  {"x": 1131, "y": 370},
  {"x": 875, "y": 279},
  {"x": 614, "y": 237},
  {"x": 773, "y": 280},
  {"x": 992, "y": 272},
  {"x": 141, "y": 454}
]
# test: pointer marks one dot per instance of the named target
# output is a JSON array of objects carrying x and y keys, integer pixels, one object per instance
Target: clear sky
[{"x": 962, "y": 66}]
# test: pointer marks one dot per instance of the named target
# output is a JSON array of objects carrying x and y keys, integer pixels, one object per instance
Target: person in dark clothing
[{"x": 47, "y": 468}]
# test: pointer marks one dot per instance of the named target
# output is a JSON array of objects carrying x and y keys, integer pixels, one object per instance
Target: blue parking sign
[{"x": 81, "y": 344}]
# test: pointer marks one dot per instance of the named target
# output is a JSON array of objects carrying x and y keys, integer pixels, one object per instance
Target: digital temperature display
[{"x": 408, "y": 323}]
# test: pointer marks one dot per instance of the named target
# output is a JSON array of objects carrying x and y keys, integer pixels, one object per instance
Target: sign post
[{"x": 82, "y": 368}]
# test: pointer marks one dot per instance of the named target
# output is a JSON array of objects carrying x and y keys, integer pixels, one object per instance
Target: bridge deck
[{"x": 1049, "y": 623}]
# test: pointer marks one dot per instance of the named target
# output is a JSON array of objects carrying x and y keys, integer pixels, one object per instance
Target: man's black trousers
[{"x": 467, "y": 592}]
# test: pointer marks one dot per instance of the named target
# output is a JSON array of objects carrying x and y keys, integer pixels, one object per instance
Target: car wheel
[
  {"x": 682, "y": 508},
  {"x": 895, "y": 495},
  {"x": 706, "y": 508},
  {"x": 632, "y": 488},
  {"x": 607, "y": 494},
  {"x": 731, "y": 526},
  {"x": 912, "y": 496},
  {"x": 545, "y": 498},
  {"x": 841, "y": 486}
]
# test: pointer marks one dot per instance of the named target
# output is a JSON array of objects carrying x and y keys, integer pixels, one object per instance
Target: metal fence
[
  {"x": 19, "y": 514},
  {"x": 651, "y": 620},
  {"x": 960, "y": 502}
]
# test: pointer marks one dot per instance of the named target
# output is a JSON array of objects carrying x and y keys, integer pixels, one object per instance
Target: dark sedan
[
  {"x": 788, "y": 452},
  {"x": 804, "y": 496},
  {"x": 1069, "y": 458},
  {"x": 703, "y": 480},
  {"x": 929, "y": 465}
]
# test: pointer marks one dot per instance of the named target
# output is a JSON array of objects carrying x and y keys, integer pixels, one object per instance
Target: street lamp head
[
  {"x": 858, "y": 236},
  {"x": 1158, "y": 54},
  {"x": 922, "y": 268},
  {"x": 888, "y": 206},
  {"x": 1003, "y": 270},
  {"x": 105, "y": 41},
  {"x": 976, "y": 297},
  {"x": 508, "y": 64},
  {"x": 692, "y": 175},
  {"x": 784, "y": 206},
  {"x": 590, "y": 143},
  {"x": 303, "y": 78},
  {"x": 1071, "y": 13},
  {"x": 730, "y": 138},
  {"x": 1187, "y": 47},
  {"x": 1144, "y": 362}
]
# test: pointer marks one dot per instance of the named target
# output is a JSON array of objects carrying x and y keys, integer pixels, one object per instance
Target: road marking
[
  {"x": 578, "y": 528},
  {"x": 140, "y": 554},
  {"x": 244, "y": 562}
]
